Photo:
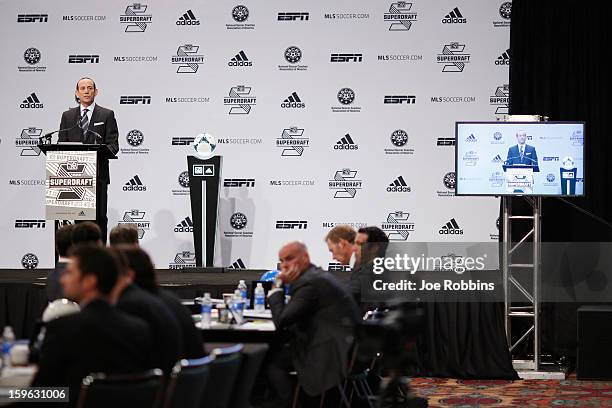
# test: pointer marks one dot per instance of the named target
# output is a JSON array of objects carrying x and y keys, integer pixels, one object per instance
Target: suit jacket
[
  {"x": 103, "y": 122},
  {"x": 165, "y": 332},
  {"x": 54, "y": 287},
  {"x": 98, "y": 339},
  {"x": 193, "y": 346},
  {"x": 320, "y": 318},
  {"x": 529, "y": 157}
]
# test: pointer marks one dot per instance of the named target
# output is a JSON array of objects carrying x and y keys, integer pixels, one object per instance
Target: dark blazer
[
  {"x": 529, "y": 157},
  {"x": 166, "y": 336},
  {"x": 193, "y": 346},
  {"x": 54, "y": 287},
  {"x": 107, "y": 128},
  {"x": 98, "y": 339},
  {"x": 320, "y": 318}
]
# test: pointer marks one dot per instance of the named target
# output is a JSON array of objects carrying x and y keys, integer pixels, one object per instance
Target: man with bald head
[
  {"x": 319, "y": 318},
  {"x": 522, "y": 153},
  {"x": 90, "y": 123}
]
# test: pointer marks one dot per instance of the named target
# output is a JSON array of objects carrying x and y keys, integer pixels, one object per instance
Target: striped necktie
[{"x": 84, "y": 123}]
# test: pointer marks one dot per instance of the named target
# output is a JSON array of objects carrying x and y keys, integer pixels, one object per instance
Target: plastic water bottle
[
  {"x": 242, "y": 287},
  {"x": 237, "y": 303},
  {"x": 260, "y": 298},
  {"x": 206, "y": 310},
  {"x": 8, "y": 339}
]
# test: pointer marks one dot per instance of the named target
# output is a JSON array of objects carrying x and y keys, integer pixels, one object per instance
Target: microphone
[
  {"x": 47, "y": 136},
  {"x": 96, "y": 134}
]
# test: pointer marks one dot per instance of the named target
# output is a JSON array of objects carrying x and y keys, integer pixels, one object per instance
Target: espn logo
[
  {"x": 30, "y": 223},
  {"x": 134, "y": 100},
  {"x": 346, "y": 58},
  {"x": 338, "y": 267},
  {"x": 408, "y": 99},
  {"x": 32, "y": 18},
  {"x": 239, "y": 182},
  {"x": 182, "y": 141},
  {"x": 83, "y": 59},
  {"x": 293, "y": 16},
  {"x": 291, "y": 224}
]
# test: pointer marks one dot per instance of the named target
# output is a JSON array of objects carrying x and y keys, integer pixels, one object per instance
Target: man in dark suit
[
  {"x": 63, "y": 241},
  {"x": 91, "y": 123},
  {"x": 319, "y": 319},
  {"x": 165, "y": 332},
  {"x": 522, "y": 153},
  {"x": 98, "y": 339},
  {"x": 370, "y": 242},
  {"x": 141, "y": 271}
]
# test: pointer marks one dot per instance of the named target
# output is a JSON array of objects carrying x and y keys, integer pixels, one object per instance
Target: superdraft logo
[
  {"x": 28, "y": 142},
  {"x": 240, "y": 100},
  {"x": 397, "y": 226},
  {"x": 137, "y": 218},
  {"x": 345, "y": 183},
  {"x": 187, "y": 59},
  {"x": 400, "y": 16},
  {"x": 71, "y": 180},
  {"x": 135, "y": 18}
]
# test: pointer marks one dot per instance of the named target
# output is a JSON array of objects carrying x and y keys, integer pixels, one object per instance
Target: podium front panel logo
[
  {"x": 136, "y": 18},
  {"x": 27, "y": 142}
]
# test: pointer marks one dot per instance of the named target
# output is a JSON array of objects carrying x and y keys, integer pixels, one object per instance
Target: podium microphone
[
  {"x": 96, "y": 134},
  {"x": 47, "y": 136}
]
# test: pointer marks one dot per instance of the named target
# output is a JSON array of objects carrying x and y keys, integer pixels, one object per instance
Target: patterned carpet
[{"x": 443, "y": 392}]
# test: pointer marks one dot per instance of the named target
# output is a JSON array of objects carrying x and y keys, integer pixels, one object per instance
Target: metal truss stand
[{"x": 529, "y": 301}]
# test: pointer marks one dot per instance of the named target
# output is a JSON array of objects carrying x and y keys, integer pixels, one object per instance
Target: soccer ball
[{"x": 204, "y": 145}]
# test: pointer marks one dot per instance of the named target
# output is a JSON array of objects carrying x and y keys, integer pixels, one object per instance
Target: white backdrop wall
[{"x": 394, "y": 59}]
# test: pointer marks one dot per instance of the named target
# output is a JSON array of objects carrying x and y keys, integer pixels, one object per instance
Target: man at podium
[
  {"x": 522, "y": 153},
  {"x": 90, "y": 123}
]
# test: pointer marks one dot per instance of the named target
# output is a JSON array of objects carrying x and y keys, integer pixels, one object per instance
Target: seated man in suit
[
  {"x": 370, "y": 243},
  {"x": 98, "y": 339},
  {"x": 319, "y": 319},
  {"x": 123, "y": 234},
  {"x": 140, "y": 269},
  {"x": 63, "y": 241},
  {"x": 340, "y": 242},
  {"x": 165, "y": 332},
  {"x": 86, "y": 233},
  {"x": 90, "y": 123},
  {"x": 522, "y": 153}
]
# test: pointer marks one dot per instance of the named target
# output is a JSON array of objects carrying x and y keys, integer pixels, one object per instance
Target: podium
[
  {"x": 204, "y": 178},
  {"x": 519, "y": 178},
  {"x": 72, "y": 179}
]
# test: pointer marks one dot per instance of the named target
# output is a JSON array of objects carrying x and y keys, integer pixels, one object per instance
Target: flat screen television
[{"x": 519, "y": 158}]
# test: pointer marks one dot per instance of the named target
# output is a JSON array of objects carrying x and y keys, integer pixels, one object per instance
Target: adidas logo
[
  {"x": 240, "y": 60},
  {"x": 399, "y": 186},
  {"x": 471, "y": 138},
  {"x": 454, "y": 17},
  {"x": 346, "y": 143},
  {"x": 497, "y": 159},
  {"x": 237, "y": 265},
  {"x": 184, "y": 226},
  {"x": 135, "y": 184},
  {"x": 31, "y": 102},
  {"x": 451, "y": 227},
  {"x": 293, "y": 101},
  {"x": 188, "y": 19},
  {"x": 503, "y": 59}
]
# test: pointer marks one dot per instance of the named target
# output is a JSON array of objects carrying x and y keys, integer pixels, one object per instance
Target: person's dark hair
[
  {"x": 124, "y": 234},
  {"x": 139, "y": 262},
  {"x": 97, "y": 261},
  {"x": 377, "y": 242},
  {"x": 63, "y": 239},
  {"x": 86, "y": 232},
  {"x": 94, "y": 82}
]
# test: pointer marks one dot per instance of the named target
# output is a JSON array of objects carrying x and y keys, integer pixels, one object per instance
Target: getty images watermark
[{"x": 434, "y": 271}]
